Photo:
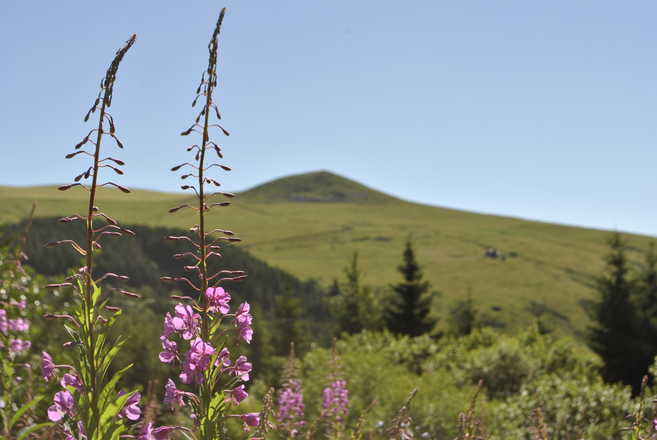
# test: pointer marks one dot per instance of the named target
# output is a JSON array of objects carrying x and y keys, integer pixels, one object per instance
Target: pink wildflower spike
[
  {"x": 62, "y": 406},
  {"x": 291, "y": 407},
  {"x": 218, "y": 300},
  {"x": 336, "y": 401}
]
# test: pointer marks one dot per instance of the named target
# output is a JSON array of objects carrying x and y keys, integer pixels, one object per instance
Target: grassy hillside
[{"x": 310, "y": 224}]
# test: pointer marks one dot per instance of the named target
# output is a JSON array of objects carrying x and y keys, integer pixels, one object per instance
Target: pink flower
[
  {"x": 196, "y": 362},
  {"x": 19, "y": 304},
  {"x": 71, "y": 380},
  {"x": 19, "y": 325},
  {"x": 242, "y": 368},
  {"x": 47, "y": 366},
  {"x": 223, "y": 359},
  {"x": 173, "y": 395},
  {"x": 185, "y": 321},
  {"x": 243, "y": 320},
  {"x": 218, "y": 300},
  {"x": 291, "y": 408},
  {"x": 169, "y": 327},
  {"x": 62, "y": 405},
  {"x": 18, "y": 345},
  {"x": 4, "y": 323},
  {"x": 236, "y": 395},
  {"x": 251, "y": 419},
  {"x": 336, "y": 400},
  {"x": 131, "y": 410},
  {"x": 169, "y": 348},
  {"x": 242, "y": 315}
]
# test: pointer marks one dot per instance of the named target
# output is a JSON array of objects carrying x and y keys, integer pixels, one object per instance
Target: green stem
[{"x": 88, "y": 288}]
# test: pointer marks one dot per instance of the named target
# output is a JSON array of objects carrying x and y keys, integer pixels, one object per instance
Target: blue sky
[{"x": 542, "y": 110}]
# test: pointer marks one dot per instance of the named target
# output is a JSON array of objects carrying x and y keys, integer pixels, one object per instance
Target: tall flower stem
[
  {"x": 205, "y": 324},
  {"x": 96, "y": 413}
]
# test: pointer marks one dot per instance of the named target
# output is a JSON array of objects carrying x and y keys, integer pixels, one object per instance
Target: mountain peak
[{"x": 318, "y": 187}]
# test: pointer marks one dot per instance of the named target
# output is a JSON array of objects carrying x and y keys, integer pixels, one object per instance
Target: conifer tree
[
  {"x": 646, "y": 304},
  {"x": 408, "y": 310},
  {"x": 349, "y": 303},
  {"x": 613, "y": 335}
]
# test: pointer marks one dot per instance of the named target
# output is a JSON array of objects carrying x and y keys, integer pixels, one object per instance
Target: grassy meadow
[{"x": 310, "y": 225}]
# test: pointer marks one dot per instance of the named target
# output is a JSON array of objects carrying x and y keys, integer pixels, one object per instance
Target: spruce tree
[
  {"x": 613, "y": 335},
  {"x": 408, "y": 310},
  {"x": 349, "y": 302},
  {"x": 646, "y": 304}
]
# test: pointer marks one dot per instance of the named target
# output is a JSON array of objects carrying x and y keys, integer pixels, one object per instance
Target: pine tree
[
  {"x": 349, "y": 302},
  {"x": 614, "y": 333},
  {"x": 408, "y": 310},
  {"x": 646, "y": 304}
]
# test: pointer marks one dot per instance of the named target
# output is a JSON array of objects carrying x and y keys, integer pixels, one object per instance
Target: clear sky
[{"x": 537, "y": 109}]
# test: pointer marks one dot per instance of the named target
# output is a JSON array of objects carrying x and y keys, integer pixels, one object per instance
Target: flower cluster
[
  {"x": 336, "y": 401},
  {"x": 290, "y": 416},
  {"x": 200, "y": 359},
  {"x": 13, "y": 331}
]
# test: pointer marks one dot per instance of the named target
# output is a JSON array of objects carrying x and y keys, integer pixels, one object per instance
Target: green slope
[{"x": 547, "y": 263}]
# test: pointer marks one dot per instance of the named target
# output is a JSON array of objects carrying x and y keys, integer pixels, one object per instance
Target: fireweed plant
[
  {"x": 18, "y": 396},
  {"x": 89, "y": 405},
  {"x": 202, "y": 334},
  {"x": 290, "y": 407},
  {"x": 335, "y": 400}
]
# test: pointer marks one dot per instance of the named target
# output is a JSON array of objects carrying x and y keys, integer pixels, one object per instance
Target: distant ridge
[
  {"x": 315, "y": 187},
  {"x": 312, "y": 224}
]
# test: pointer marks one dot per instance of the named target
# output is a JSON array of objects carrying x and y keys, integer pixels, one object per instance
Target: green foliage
[
  {"x": 374, "y": 373},
  {"x": 503, "y": 369},
  {"x": 573, "y": 409},
  {"x": 409, "y": 308},
  {"x": 98, "y": 404},
  {"x": 520, "y": 373},
  {"x": 462, "y": 318}
]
